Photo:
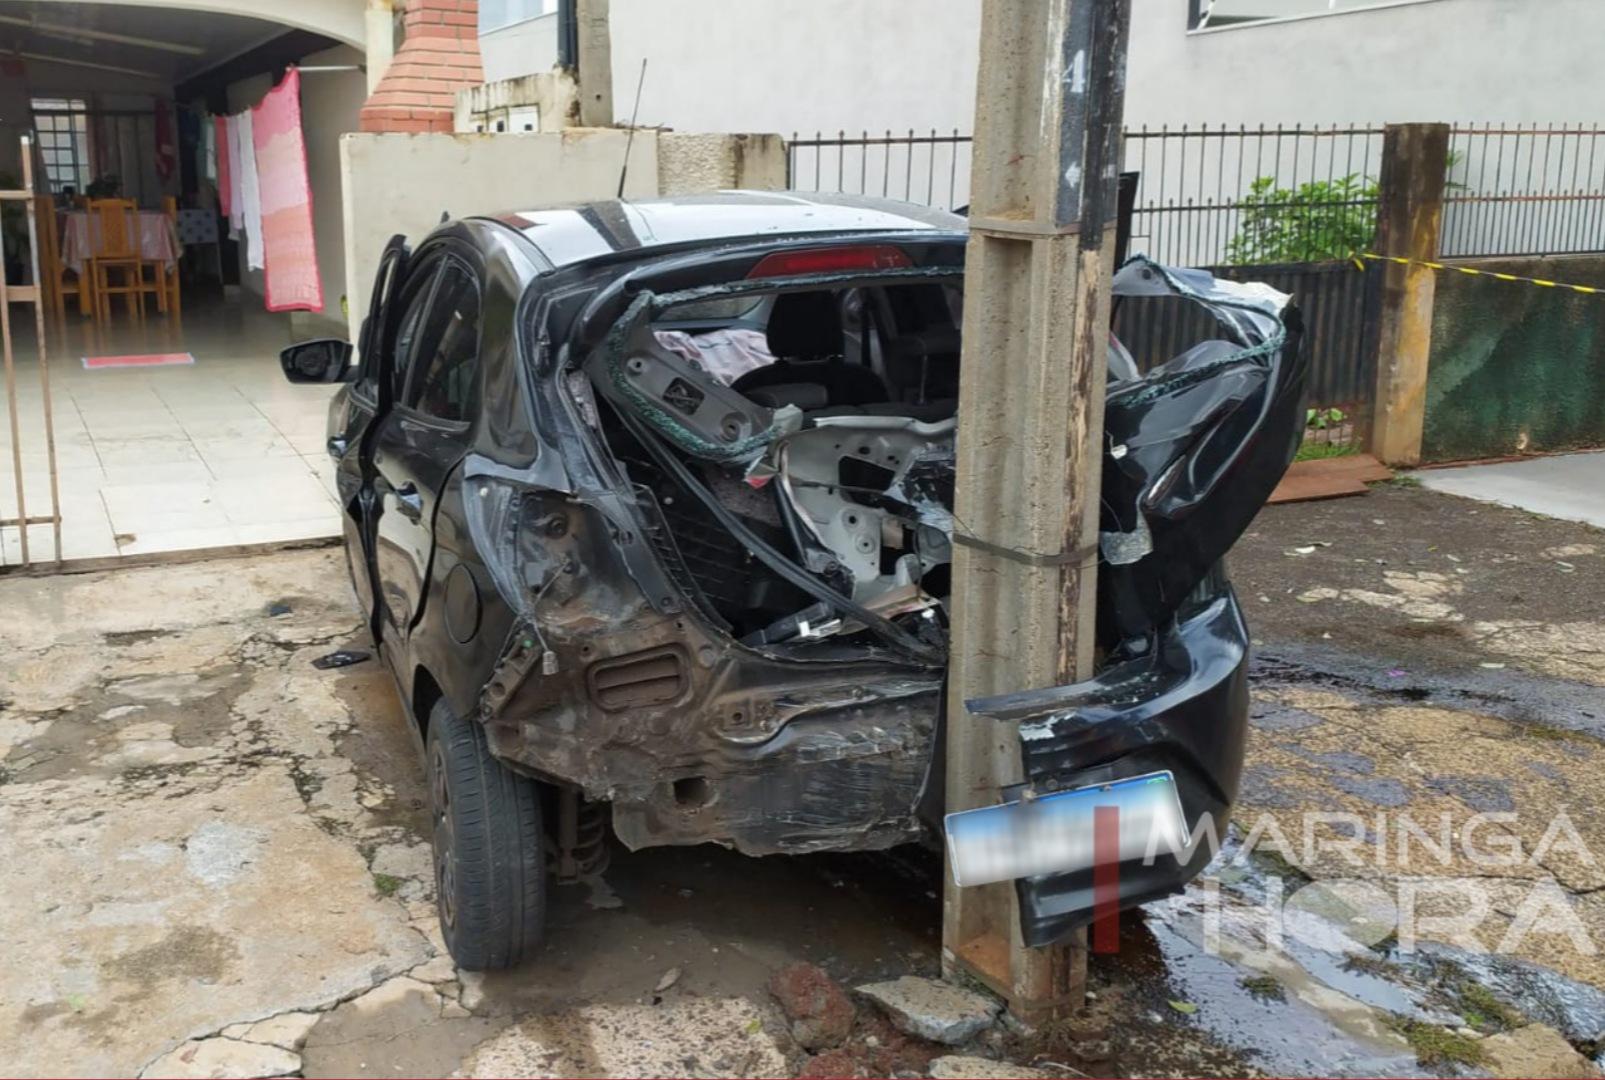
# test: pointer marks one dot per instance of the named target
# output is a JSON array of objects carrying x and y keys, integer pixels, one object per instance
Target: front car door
[
  {"x": 351, "y": 419},
  {"x": 424, "y": 436}
]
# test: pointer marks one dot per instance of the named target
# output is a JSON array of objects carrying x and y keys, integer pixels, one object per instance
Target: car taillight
[{"x": 830, "y": 260}]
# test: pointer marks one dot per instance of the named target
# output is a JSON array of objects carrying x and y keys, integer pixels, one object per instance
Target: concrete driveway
[
  {"x": 1569, "y": 486},
  {"x": 216, "y": 862},
  {"x": 215, "y": 866}
]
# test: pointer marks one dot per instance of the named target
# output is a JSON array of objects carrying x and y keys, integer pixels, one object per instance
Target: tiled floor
[{"x": 218, "y": 453}]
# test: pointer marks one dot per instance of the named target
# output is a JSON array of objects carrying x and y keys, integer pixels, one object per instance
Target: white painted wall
[
  {"x": 330, "y": 102},
  {"x": 798, "y": 65},
  {"x": 807, "y": 65},
  {"x": 524, "y": 48},
  {"x": 1466, "y": 60},
  {"x": 470, "y": 174}
]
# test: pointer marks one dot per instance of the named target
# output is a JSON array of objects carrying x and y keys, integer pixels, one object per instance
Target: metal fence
[
  {"x": 1335, "y": 301},
  {"x": 1524, "y": 190},
  {"x": 933, "y": 169},
  {"x": 1206, "y": 195},
  {"x": 1216, "y": 195},
  {"x": 1283, "y": 205}
]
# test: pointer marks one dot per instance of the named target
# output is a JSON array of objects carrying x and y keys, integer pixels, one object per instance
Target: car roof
[{"x": 569, "y": 235}]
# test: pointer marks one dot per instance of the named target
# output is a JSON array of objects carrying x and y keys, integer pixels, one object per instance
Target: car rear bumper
[{"x": 1183, "y": 708}]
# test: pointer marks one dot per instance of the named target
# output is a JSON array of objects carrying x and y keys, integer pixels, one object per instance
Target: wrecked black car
[{"x": 650, "y": 509}]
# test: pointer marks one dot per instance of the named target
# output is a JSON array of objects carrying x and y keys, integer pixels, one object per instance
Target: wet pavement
[{"x": 217, "y": 852}]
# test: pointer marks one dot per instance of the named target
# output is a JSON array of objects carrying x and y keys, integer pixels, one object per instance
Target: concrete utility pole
[
  {"x": 1415, "y": 164},
  {"x": 594, "y": 60},
  {"x": 1036, "y": 326}
]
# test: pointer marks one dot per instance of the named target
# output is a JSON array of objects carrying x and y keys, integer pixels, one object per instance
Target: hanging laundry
[
  {"x": 166, "y": 142},
  {"x": 250, "y": 194},
  {"x": 220, "y": 132},
  {"x": 236, "y": 164},
  {"x": 285, "y": 205}
]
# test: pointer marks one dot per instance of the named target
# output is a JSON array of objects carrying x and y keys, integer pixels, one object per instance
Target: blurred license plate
[{"x": 1054, "y": 833}]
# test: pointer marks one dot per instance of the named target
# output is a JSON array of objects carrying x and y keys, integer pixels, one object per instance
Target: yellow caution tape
[{"x": 1588, "y": 289}]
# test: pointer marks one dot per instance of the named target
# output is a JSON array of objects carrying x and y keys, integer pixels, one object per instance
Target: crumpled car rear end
[
  {"x": 1193, "y": 450},
  {"x": 730, "y": 597}
]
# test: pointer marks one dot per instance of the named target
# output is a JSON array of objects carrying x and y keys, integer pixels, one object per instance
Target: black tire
[{"x": 490, "y": 872}]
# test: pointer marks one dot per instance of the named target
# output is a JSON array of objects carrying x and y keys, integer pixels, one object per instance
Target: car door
[
  {"x": 423, "y": 437},
  {"x": 351, "y": 420}
]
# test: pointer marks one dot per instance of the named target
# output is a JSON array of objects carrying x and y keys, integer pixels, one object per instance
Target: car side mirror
[{"x": 323, "y": 360}]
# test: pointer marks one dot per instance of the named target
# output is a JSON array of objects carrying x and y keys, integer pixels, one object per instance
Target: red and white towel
[{"x": 280, "y": 197}]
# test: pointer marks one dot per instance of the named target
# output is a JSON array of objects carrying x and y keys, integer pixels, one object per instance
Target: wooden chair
[
  {"x": 57, "y": 279},
  {"x": 166, "y": 274},
  {"x": 116, "y": 250}
]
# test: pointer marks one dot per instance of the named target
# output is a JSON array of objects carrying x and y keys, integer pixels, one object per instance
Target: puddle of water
[
  {"x": 1311, "y": 991},
  {"x": 1279, "y": 971},
  {"x": 1285, "y": 1017}
]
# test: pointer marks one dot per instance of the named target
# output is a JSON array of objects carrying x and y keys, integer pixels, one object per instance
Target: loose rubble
[{"x": 932, "y": 1009}]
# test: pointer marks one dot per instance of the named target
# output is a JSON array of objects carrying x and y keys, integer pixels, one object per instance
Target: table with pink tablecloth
[{"x": 158, "y": 240}]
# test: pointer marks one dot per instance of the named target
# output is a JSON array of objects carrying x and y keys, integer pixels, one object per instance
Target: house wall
[
  {"x": 330, "y": 102},
  {"x": 468, "y": 174},
  {"x": 1515, "y": 367},
  {"x": 524, "y": 48},
  {"x": 776, "y": 65},
  {"x": 807, "y": 65},
  {"x": 22, "y": 80},
  {"x": 1466, "y": 60}
]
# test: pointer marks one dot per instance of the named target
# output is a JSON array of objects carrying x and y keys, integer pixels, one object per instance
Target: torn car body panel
[
  {"x": 1193, "y": 449},
  {"x": 693, "y": 556},
  {"x": 1181, "y": 708}
]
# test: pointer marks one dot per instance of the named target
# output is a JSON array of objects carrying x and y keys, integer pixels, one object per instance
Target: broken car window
[{"x": 448, "y": 349}]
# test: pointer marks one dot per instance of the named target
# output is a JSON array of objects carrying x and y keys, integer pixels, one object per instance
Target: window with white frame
[
  {"x": 1207, "y": 14},
  {"x": 62, "y": 127},
  {"x": 495, "y": 14}
]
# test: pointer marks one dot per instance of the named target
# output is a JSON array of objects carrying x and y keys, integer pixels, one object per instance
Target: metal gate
[
  {"x": 31, "y": 292},
  {"x": 1336, "y": 300}
]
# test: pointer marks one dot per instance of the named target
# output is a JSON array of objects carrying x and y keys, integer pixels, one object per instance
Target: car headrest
[
  {"x": 805, "y": 326},
  {"x": 933, "y": 341},
  {"x": 806, "y": 396}
]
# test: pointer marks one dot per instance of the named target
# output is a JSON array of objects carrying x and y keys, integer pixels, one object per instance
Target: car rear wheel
[{"x": 490, "y": 874}]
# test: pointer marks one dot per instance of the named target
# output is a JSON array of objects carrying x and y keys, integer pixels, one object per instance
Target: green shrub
[{"x": 1321, "y": 220}]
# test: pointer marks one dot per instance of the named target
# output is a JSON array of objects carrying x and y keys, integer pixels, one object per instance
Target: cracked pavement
[
  {"x": 218, "y": 866},
  {"x": 217, "y": 857}
]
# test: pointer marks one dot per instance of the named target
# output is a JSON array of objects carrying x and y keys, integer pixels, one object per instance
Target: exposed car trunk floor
[{"x": 203, "y": 831}]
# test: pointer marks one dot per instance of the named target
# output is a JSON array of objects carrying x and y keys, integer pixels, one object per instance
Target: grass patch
[
  {"x": 1369, "y": 964},
  {"x": 1263, "y": 987},
  {"x": 1435, "y": 1046},
  {"x": 1402, "y": 480},
  {"x": 1318, "y": 451},
  {"x": 386, "y": 884},
  {"x": 1537, "y": 729},
  {"x": 1483, "y": 1011}
]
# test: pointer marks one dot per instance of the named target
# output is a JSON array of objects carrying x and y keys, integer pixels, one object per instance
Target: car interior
[{"x": 856, "y": 488}]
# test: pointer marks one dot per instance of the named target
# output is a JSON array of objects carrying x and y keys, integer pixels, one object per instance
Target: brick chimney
[{"x": 439, "y": 56}]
